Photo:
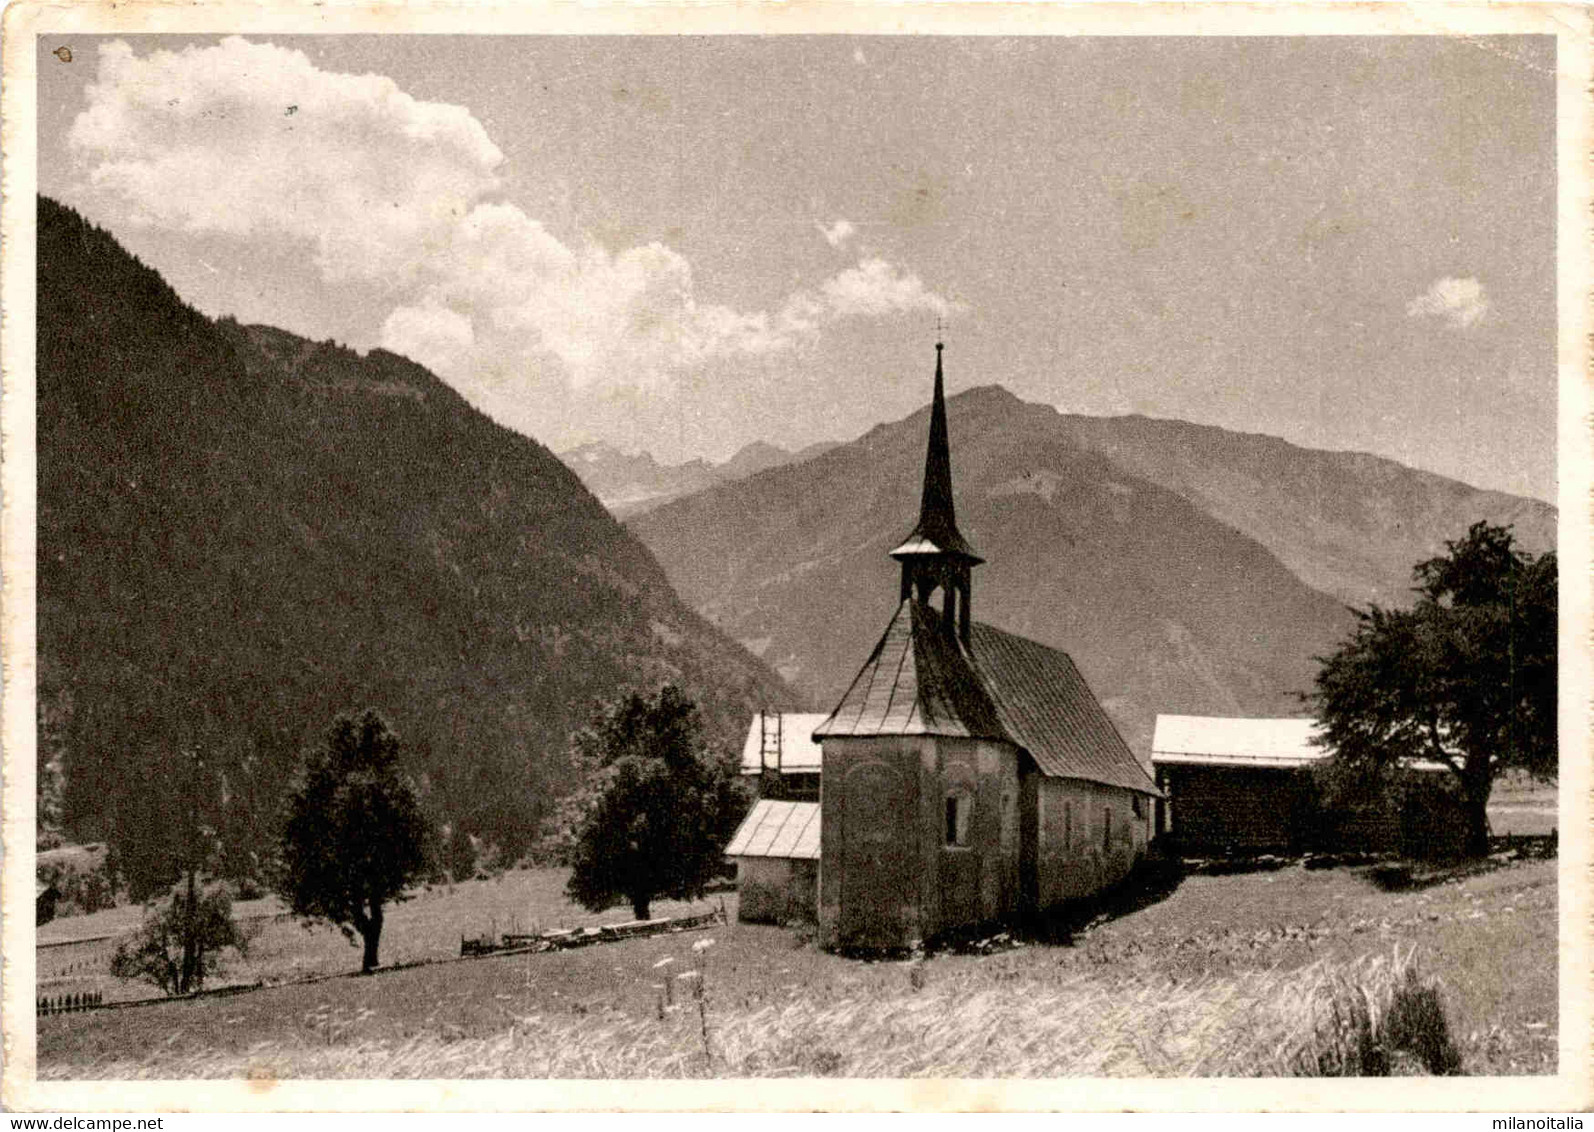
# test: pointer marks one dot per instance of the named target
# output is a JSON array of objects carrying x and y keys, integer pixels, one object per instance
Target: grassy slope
[
  {"x": 1491, "y": 939},
  {"x": 427, "y": 927}
]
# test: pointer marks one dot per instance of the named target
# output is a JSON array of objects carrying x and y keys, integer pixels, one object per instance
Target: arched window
[{"x": 959, "y": 809}]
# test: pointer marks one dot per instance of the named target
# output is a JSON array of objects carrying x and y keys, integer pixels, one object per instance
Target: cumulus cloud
[
  {"x": 1459, "y": 302},
  {"x": 508, "y": 291},
  {"x": 630, "y": 318},
  {"x": 875, "y": 287},
  {"x": 239, "y": 138},
  {"x": 253, "y": 141},
  {"x": 836, "y": 234}
]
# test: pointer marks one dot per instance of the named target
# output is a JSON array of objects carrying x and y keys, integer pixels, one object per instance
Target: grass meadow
[{"x": 1266, "y": 973}]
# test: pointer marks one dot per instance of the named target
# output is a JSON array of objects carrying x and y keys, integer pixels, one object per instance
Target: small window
[
  {"x": 1139, "y": 804},
  {"x": 1068, "y": 825},
  {"x": 1106, "y": 829},
  {"x": 958, "y": 807}
]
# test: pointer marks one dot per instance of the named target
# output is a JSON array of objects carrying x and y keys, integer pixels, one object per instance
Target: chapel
[{"x": 968, "y": 774}]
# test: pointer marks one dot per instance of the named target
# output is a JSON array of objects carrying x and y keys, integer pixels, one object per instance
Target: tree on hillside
[
  {"x": 459, "y": 854},
  {"x": 179, "y": 945},
  {"x": 353, "y": 837},
  {"x": 1466, "y": 677},
  {"x": 656, "y": 806}
]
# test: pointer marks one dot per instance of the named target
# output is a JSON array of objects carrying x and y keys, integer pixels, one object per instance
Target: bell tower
[{"x": 935, "y": 556}]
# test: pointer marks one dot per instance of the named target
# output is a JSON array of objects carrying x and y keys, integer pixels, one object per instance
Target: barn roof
[
  {"x": 1222, "y": 741},
  {"x": 798, "y": 752},
  {"x": 778, "y": 829},
  {"x": 1210, "y": 740},
  {"x": 921, "y": 680}
]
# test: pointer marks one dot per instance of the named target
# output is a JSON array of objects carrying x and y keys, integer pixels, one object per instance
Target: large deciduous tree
[
  {"x": 656, "y": 806},
  {"x": 1466, "y": 677},
  {"x": 353, "y": 836}
]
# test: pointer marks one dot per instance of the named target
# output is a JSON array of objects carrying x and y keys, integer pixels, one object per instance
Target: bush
[
  {"x": 83, "y": 881},
  {"x": 180, "y": 945},
  {"x": 1382, "y": 1020},
  {"x": 47, "y": 839}
]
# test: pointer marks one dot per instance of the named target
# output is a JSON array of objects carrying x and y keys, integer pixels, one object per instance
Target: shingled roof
[{"x": 921, "y": 680}]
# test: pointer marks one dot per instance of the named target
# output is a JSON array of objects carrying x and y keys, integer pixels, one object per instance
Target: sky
[{"x": 682, "y": 245}]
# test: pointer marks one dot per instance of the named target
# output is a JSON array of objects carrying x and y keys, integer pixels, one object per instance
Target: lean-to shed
[
  {"x": 1235, "y": 785},
  {"x": 776, "y": 850}
]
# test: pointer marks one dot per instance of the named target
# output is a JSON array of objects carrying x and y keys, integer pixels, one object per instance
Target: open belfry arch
[{"x": 968, "y": 773}]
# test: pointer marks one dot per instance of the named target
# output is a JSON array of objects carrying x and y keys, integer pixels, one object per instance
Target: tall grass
[{"x": 1373, "y": 1017}]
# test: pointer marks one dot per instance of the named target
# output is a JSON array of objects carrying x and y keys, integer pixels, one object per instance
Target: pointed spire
[{"x": 937, "y": 531}]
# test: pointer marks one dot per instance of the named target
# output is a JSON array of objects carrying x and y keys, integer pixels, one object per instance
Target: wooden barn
[
  {"x": 969, "y": 773},
  {"x": 1241, "y": 787},
  {"x": 45, "y": 899},
  {"x": 780, "y": 759},
  {"x": 776, "y": 848},
  {"x": 1235, "y": 786}
]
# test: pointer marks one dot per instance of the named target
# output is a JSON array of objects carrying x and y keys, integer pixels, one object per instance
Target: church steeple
[{"x": 936, "y": 555}]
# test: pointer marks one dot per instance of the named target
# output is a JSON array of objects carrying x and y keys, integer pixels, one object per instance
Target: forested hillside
[{"x": 242, "y": 533}]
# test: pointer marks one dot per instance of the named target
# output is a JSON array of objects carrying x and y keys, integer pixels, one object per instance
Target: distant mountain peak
[
  {"x": 1185, "y": 567},
  {"x": 756, "y": 448},
  {"x": 993, "y": 394},
  {"x": 630, "y": 484}
]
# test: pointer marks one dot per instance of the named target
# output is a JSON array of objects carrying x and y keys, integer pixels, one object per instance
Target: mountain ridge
[
  {"x": 1096, "y": 543},
  {"x": 629, "y": 483}
]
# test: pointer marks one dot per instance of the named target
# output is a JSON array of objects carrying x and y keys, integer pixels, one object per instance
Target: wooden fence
[
  {"x": 563, "y": 938},
  {"x": 69, "y": 1003}
]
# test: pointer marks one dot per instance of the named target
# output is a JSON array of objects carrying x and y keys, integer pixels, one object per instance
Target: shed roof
[
  {"x": 778, "y": 829},
  {"x": 798, "y": 752},
  {"x": 1224, "y": 741},
  {"x": 921, "y": 680}
]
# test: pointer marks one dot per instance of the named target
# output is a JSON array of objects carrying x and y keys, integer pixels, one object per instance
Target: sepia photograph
[{"x": 887, "y": 550}]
